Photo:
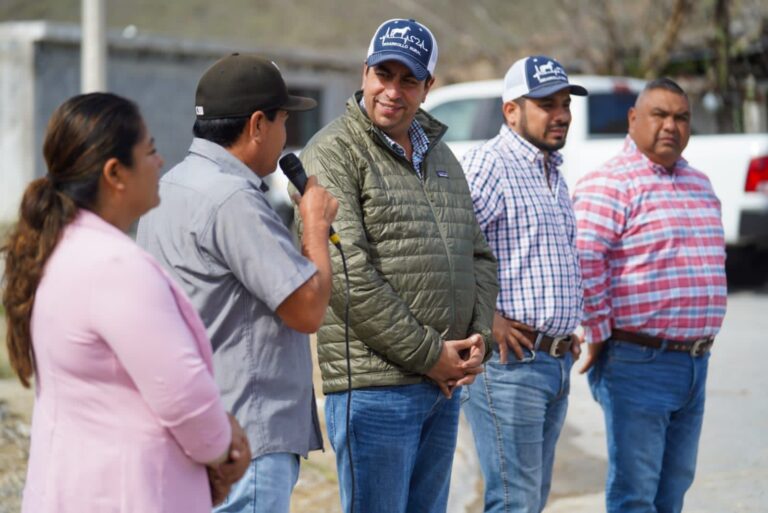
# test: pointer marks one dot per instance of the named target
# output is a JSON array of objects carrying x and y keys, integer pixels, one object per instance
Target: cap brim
[
  {"x": 550, "y": 89},
  {"x": 299, "y": 103},
  {"x": 419, "y": 71}
]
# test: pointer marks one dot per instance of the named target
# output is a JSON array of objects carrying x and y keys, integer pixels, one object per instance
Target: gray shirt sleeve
[{"x": 249, "y": 237}]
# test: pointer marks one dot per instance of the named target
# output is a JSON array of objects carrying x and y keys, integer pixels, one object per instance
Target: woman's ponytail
[
  {"x": 44, "y": 213},
  {"x": 83, "y": 133}
]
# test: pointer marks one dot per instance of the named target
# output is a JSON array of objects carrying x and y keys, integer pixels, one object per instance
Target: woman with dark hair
[{"x": 126, "y": 414}]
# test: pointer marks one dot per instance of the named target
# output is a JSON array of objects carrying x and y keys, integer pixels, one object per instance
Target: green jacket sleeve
[{"x": 487, "y": 289}]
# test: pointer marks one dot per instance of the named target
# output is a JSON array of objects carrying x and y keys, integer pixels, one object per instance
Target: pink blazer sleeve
[{"x": 134, "y": 310}]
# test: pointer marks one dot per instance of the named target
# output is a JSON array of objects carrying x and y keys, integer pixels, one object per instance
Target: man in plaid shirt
[
  {"x": 517, "y": 407},
  {"x": 652, "y": 251}
]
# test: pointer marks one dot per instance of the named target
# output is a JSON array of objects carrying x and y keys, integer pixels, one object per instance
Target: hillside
[{"x": 478, "y": 39}]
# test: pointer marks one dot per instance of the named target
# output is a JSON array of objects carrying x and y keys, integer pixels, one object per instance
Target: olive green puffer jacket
[{"x": 420, "y": 270}]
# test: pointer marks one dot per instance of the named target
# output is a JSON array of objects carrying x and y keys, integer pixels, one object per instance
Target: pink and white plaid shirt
[{"x": 651, "y": 248}]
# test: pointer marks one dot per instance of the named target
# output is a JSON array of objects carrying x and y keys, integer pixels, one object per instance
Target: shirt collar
[
  {"x": 227, "y": 162},
  {"x": 527, "y": 150},
  {"x": 630, "y": 148}
]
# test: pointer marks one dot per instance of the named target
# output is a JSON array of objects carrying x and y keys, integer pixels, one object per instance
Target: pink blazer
[{"x": 126, "y": 408}]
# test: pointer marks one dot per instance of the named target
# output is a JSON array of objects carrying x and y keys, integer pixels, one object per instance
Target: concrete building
[{"x": 40, "y": 68}]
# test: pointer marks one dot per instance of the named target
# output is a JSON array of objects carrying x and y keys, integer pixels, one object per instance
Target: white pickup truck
[{"x": 736, "y": 164}]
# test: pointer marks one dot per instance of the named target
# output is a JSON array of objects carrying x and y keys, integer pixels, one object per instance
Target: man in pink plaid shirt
[{"x": 650, "y": 242}]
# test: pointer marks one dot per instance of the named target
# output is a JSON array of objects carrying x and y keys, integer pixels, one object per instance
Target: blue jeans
[
  {"x": 403, "y": 439},
  {"x": 516, "y": 411},
  {"x": 653, "y": 401},
  {"x": 266, "y": 486}
]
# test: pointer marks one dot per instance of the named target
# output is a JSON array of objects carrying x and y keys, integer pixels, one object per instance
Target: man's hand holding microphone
[
  {"x": 316, "y": 205},
  {"x": 305, "y": 308}
]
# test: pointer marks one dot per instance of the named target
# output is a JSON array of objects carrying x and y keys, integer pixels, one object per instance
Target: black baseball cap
[{"x": 241, "y": 84}]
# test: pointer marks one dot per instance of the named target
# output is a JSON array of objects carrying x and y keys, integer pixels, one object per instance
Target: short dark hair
[
  {"x": 665, "y": 83},
  {"x": 225, "y": 131}
]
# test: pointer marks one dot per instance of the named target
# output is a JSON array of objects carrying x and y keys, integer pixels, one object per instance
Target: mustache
[{"x": 383, "y": 99}]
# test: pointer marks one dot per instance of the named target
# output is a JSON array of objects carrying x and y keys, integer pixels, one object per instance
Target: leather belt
[
  {"x": 696, "y": 347},
  {"x": 554, "y": 346}
]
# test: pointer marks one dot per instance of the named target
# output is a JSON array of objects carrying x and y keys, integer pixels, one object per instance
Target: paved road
[{"x": 732, "y": 472}]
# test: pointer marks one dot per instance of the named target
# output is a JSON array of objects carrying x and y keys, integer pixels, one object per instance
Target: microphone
[{"x": 294, "y": 170}]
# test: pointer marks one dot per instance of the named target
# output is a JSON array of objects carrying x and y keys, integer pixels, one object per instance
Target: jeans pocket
[
  {"x": 568, "y": 361},
  {"x": 330, "y": 425},
  {"x": 593, "y": 377},
  {"x": 464, "y": 394},
  {"x": 628, "y": 352},
  {"x": 512, "y": 361}
]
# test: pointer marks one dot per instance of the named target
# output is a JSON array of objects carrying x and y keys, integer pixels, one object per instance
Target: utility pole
[
  {"x": 722, "y": 47},
  {"x": 93, "y": 52}
]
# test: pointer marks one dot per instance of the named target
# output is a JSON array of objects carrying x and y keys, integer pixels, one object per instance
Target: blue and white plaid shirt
[
  {"x": 419, "y": 142},
  {"x": 531, "y": 229}
]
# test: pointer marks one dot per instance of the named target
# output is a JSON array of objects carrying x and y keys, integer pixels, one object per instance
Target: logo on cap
[
  {"x": 406, "y": 41},
  {"x": 537, "y": 76},
  {"x": 549, "y": 71},
  {"x": 410, "y": 42}
]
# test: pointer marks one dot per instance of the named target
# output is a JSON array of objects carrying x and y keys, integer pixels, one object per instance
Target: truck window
[
  {"x": 608, "y": 113},
  {"x": 471, "y": 119},
  {"x": 301, "y": 126}
]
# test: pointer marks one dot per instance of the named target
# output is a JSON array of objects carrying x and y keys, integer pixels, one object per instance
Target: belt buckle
[
  {"x": 697, "y": 346},
  {"x": 555, "y": 347},
  {"x": 536, "y": 345}
]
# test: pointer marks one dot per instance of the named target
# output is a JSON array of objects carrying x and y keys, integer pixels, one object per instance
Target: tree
[{"x": 617, "y": 38}]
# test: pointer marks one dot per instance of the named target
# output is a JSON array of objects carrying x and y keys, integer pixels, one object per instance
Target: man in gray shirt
[{"x": 257, "y": 294}]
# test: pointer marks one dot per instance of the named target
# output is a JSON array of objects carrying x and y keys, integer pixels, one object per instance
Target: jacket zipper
[{"x": 423, "y": 183}]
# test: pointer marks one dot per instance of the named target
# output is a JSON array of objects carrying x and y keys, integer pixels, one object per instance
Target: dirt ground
[{"x": 15, "y": 410}]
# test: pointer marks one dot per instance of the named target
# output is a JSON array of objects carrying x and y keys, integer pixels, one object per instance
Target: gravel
[{"x": 14, "y": 451}]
